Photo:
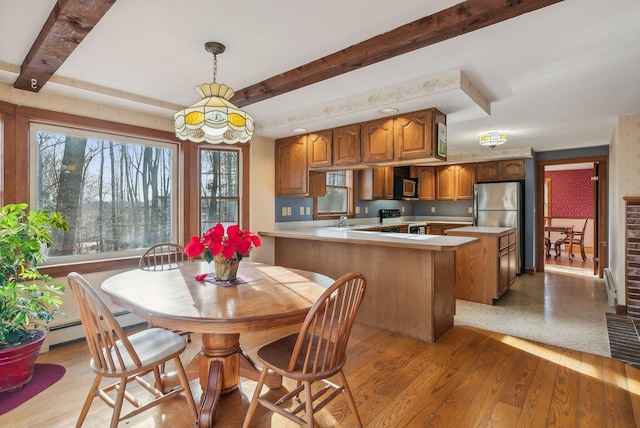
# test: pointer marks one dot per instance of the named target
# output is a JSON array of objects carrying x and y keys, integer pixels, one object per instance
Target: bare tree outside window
[
  {"x": 117, "y": 193},
  {"x": 219, "y": 187}
]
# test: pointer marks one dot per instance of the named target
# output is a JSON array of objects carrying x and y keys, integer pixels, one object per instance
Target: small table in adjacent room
[
  {"x": 264, "y": 297},
  {"x": 566, "y": 230}
]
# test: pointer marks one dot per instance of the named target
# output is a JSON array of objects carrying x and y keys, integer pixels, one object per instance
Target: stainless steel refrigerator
[{"x": 500, "y": 205}]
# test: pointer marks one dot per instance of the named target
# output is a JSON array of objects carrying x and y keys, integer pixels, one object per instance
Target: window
[
  {"x": 219, "y": 188},
  {"x": 338, "y": 200},
  {"x": 118, "y": 193}
]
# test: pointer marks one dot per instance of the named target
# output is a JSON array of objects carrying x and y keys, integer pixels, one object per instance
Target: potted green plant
[{"x": 28, "y": 298}]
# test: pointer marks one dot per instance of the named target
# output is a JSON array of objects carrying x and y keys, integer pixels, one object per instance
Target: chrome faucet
[{"x": 344, "y": 221}]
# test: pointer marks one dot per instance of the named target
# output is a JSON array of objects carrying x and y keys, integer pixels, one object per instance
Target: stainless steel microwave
[
  {"x": 405, "y": 188},
  {"x": 409, "y": 188}
]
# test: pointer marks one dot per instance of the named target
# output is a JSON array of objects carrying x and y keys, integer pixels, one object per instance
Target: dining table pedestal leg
[{"x": 219, "y": 372}]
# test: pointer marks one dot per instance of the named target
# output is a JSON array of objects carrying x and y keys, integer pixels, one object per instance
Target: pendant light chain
[{"x": 215, "y": 67}]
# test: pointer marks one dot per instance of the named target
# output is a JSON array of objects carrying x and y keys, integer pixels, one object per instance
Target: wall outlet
[
  {"x": 284, "y": 211},
  {"x": 470, "y": 210},
  {"x": 402, "y": 209},
  {"x": 301, "y": 210},
  {"x": 308, "y": 210},
  {"x": 433, "y": 209},
  {"x": 357, "y": 210},
  {"x": 366, "y": 210},
  {"x": 288, "y": 210}
]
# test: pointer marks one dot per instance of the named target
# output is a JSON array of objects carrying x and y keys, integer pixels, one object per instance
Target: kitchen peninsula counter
[{"x": 410, "y": 278}]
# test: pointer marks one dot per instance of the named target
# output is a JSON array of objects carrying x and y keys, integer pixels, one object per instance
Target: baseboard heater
[
  {"x": 610, "y": 287},
  {"x": 72, "y": 331}
]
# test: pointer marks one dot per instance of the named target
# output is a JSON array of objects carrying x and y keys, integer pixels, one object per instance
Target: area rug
[
  {"x": 44, "y": 375},
  {"x": 624, "y": 341}
]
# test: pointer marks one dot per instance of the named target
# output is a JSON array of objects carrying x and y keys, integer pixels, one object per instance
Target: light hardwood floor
[{"x": 469, "y": 378}]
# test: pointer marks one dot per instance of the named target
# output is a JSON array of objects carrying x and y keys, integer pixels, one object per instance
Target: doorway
[{"x": 572, "y": 200}]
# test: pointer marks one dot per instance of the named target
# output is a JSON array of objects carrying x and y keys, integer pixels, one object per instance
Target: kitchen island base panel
[{"x": 409, "y": 291}]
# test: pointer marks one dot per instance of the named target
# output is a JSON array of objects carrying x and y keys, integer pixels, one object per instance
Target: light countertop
[
  {"x": 352, "y": 235},
  {"x": 480, "y": 230}
]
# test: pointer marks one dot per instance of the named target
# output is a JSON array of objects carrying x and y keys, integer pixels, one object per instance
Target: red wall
[{"x": 571, "y": 193}]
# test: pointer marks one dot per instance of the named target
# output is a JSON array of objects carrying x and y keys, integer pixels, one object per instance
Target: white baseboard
[{"x": 73, "y": 331}]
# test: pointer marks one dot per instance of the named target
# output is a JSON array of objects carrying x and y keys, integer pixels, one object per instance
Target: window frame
[
  {"x": 36, "y": 126},
  {"x": 240, "y": 183},
  {"x": 350, "y": 213}
]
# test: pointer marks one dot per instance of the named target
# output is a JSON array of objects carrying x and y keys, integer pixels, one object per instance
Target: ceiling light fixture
[
  {"x": 214, "y": 119},
  {"x": 493, "y": 138},
  {"x": 299, "y": 130}
]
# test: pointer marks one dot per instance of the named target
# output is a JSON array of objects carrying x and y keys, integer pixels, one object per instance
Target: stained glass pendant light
[
  {"x": 214, "y": 119},
  {"x": 493, "y": 138}
]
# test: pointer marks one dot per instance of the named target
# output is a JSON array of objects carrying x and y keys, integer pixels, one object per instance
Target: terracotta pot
[
  {"x": 17, "y": 364},
  {"x": 226, "y": 270}
]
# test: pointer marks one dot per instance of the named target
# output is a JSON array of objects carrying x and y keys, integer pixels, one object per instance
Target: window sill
[{"x": 61, "y": 270}]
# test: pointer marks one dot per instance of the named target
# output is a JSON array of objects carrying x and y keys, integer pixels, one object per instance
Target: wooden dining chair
[
  {"x": 127, "y": 358},
  {"x": 315, "y": 353},
  {"x": 164, "y": 256},
  {"x": 578, "y": 239}
]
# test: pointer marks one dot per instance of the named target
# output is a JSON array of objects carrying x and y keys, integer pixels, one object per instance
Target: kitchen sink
[{"x": 350, "y": 227}]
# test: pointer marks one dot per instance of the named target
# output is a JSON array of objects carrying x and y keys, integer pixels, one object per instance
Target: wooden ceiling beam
[
  {"x": 68, "y": 24},
  {"x": 460, "y": 19}
]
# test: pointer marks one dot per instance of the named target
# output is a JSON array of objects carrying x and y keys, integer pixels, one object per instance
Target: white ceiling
[{"x": 555, "y": 78}]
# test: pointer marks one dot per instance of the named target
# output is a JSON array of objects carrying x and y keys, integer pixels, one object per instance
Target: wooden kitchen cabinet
[
  {"x": 346, "y": 146},
  {"x": 511, "y": 169},
  {"x": 320, "y": 149},
  {"x": 377, "y": 140},
  {"x": 410, "y": 136},
  {"x": 293, "y": 177},
  {"x": 426, "y": 183},
  {"x": 455, "y": 182},
  {"x": 441, "y": 228},
  {"x": 415, "y": 134},
  {"x": 375, "y": 183},
  {"x": 484, "y": 272}
]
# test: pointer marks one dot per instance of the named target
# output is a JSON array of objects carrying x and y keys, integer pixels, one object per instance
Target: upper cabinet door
[
  {"x": 488, "y": 171},
  {"x": 377, "y": 141},
  {"x": 291, "y": 166},
  {"x": 466, "y": 178},
  {"x": 346, "y": 145},
  {"x": 455, "y": 182},
  {"x": 426, "y": 183},
  {"x": 445, "y": 189},
  {"x": 512, "y": 169},
  {"x": 320, "y": 147},
  {"x": 414, "y": 135}
]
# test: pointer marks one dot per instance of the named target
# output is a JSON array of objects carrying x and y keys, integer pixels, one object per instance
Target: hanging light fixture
[
  {"x": 214, "y": 119},
  {"x": 493, "y": 138}
]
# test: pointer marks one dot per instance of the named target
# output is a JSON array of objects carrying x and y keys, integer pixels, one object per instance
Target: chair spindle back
[{"x": 322, "y": 341}]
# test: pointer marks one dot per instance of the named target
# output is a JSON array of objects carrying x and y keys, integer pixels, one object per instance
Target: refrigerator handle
[{"x": 475, "y": 204}]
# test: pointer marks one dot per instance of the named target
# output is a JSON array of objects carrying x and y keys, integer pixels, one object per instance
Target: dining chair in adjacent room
[
  {"x": 578, "y": 239},
  {"x": 314, "y": 354},
  {"x": 126, "y": 358},
  {"x": 164, "y": 256}
]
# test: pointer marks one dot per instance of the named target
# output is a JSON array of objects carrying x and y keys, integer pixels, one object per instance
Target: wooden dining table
[
  {"x": 263, "y": 297},
  {"x": 566, "y": 230}
]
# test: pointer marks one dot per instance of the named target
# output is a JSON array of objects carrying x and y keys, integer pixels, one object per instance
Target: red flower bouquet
[{"x": 235, "y": 245}]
